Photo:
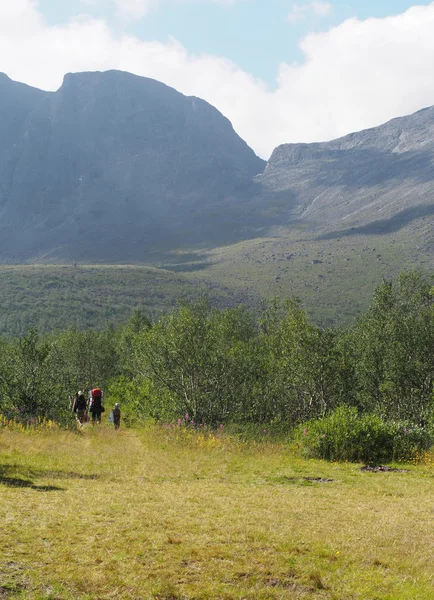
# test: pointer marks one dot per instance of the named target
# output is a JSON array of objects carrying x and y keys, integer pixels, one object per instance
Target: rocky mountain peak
[{"x": 126, "y": 152}]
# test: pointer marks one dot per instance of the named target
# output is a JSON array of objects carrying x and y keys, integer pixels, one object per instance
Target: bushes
[
  {"x": 230, "y": 366},
  {"x": 346, "y": 435},
  {"x": 140, "y": 401}
]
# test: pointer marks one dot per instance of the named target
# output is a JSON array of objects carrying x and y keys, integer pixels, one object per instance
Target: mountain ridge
[
  {"x": 359, "y": 178},
  {"x": 128, "y": 153}
]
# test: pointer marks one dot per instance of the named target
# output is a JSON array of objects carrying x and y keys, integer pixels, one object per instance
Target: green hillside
[
  {"x": 333, "y": 278},
  {"x": 54, "y": 296}
]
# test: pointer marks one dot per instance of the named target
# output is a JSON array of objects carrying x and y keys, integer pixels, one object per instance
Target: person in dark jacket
[
  {"x": 117, "y": 416},
  {"x": 79, "y": 408}
]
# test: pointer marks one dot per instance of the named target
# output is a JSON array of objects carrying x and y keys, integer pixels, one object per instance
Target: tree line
[{"x": 236, "y": 366}]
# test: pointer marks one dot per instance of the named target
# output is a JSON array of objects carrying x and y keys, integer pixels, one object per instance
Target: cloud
[
  {"x": 299, "y": 12},
  {"x": 133, "y": 10},
  {"x": 356, "y": 75}
]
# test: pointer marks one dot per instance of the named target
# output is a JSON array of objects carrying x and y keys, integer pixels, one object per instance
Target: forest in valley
[{"x": 361, "y": 392}]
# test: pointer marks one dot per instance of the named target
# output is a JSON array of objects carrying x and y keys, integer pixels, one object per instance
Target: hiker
[
  {"x": 116, "y": 412},
  {"x": 79, "y": 408},
  {"x": 96, "y": 404}
]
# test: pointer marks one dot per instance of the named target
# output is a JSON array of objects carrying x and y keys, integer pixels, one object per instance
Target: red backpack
[{"x": 96, "y": 397}]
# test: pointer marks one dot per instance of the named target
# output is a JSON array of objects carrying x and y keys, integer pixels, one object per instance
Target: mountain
[
  {"x": 374, "y": 181},
  {"x": 112, "y": 166},
  {"x": 346, "y": 214}
]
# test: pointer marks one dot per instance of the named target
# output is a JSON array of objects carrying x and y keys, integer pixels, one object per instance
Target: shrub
[
  {"x": 345, "y": 435},
  {"x": 139, "y": 401}
]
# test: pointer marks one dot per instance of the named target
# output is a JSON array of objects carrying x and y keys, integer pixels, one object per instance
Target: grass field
[{"x": 172, "y": 514}]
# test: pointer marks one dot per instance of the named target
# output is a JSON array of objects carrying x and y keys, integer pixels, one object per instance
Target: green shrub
[
  {"x": 345, "y": 435},
  {"x": 139, "y": 401}
]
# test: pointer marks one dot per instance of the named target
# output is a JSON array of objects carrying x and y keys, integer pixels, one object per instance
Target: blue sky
[
  {"x": 255, "y": 34},
  {"x": 281, "y": 70}
]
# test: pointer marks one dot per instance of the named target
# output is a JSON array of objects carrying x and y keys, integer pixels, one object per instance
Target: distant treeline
[{"x": 221, "y": 366}]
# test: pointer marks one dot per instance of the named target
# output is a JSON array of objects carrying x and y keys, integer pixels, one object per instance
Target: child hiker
[{"x": 116, "y": 416}]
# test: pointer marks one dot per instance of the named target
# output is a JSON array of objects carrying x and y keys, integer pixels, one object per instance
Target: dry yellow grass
[{"x": 169, "y": 514}]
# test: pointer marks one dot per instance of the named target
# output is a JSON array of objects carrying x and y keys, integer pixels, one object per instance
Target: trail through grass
[{"x": 170, "y": 514}]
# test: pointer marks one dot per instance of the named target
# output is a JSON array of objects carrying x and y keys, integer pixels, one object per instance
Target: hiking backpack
[
  {"x": 80, "y": 402},
  {"x": 96, "y": 397}
]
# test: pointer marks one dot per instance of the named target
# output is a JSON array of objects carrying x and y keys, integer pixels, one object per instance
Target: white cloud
[
  {"x": 299, "y": 12},
  {"x": 133, "y": 10},
  {"x": 353, "y": 76},
  {"x": 321, "y": 9}
]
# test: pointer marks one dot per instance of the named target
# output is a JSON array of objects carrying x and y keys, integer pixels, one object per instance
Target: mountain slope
[
  {"x": 377, "y": 181},
  {"x": 112, "y": 165},
  {"x": 347, "y": 213}
]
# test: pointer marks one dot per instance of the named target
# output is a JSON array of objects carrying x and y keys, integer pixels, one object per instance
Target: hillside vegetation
[
  {"x": 51, "y": 297},
  {"x": 334, "y": 280}
]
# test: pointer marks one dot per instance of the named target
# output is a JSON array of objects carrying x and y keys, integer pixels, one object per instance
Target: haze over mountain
[{"x": 112, "y": 165}]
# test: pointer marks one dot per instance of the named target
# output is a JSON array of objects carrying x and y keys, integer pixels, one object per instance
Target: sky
[{"x": 281, "y": 71}]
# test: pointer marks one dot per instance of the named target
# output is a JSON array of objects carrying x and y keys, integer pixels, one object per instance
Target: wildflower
[
  {"x": 187, "y": 417},
  {"x": 304, "y": 431},
  {"x": 221, "y": 427},
  {"x": 265, "y": 431},
  {"x": 179, "y": 422}
]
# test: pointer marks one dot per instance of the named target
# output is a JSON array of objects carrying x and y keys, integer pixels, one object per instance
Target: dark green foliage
[
  {"x": 193, "y": 355},
  {"x": 346, "y": 435},
  {"x": 302, "y": 363},
  {"x": 86, "y": 297},
  {"x": 367, "y": 393},
  {"x": 40, "y": 376},
  {"x": 393, "y": 350},
  {"x": 140, "y": 400}
]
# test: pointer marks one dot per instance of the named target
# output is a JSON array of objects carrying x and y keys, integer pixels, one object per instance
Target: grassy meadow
[{"x": 170, "y": 513}]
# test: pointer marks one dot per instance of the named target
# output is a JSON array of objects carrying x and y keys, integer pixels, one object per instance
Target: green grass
[{"x": 170, "y": 514}]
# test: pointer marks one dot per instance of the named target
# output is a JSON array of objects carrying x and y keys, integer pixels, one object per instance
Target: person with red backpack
[{"x": 96, "y": 407}]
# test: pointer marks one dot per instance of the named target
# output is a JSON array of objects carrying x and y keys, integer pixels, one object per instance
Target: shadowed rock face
[
  {"x": 112, "y": 165},
  {"x": 374, "y": 181}
]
